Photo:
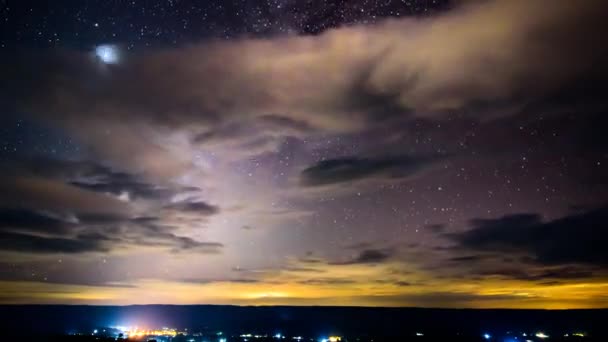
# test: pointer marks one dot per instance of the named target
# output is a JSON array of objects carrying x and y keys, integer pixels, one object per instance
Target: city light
[
  {"x": 167, "y": 334},
  {"x": 137, "y": 332}
]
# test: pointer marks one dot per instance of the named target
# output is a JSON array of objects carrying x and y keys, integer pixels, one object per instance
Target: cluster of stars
[{"x": 139, "y": 23}]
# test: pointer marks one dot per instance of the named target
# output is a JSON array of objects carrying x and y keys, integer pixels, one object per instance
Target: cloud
[
  {"x": 342, "y": 170},
  {"x": 574, "y": 239},
  {"x": 228, "y": 280},
  {"x": 119, "y": 183},
  {"x": 29, "y": 243},
  {"x": 194, "y": 206},
  {"x": 95, "y": 176},
  {"x": 29, "y": 234},
  {"x": 327, "y": 281},
  {"x": 338, "y": 81},
  {"x": 158, "y": 232},
  {"x": 91, "y": 207},
  {"x": 437, "y": 228},
  {"x": 239, "y": 119},
  {"x": 448, "y": 300},
  {"x": 539, "y": 273},
  {"x": 27, "y": 220},
  {"x": 50, "y": 231},
  {"x": 56, "y": 196},
  {"x": 369, "y": 256}
]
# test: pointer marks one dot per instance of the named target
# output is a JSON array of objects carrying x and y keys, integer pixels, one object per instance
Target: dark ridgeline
[{"x": 356, "y": 322}]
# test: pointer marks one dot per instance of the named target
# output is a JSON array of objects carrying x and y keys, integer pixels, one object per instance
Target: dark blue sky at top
[{"x": 138, "y": 23}]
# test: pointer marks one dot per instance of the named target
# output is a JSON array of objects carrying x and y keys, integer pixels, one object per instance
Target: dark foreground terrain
[
  {"x": 438, "y": 338},
  {"x": 202, "y": 323}
]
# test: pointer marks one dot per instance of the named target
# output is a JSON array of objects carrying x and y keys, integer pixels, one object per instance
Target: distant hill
[{"x": 308, "y": 321}]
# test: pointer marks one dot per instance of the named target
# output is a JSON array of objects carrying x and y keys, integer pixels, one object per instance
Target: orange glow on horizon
[{"x": 339, "y": 285}]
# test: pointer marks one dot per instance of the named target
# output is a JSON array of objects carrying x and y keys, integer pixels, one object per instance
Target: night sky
[{"x": 378, "y": 153}]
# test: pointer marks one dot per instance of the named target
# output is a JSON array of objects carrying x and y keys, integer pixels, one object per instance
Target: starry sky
[{"x": 377, "y": 153}]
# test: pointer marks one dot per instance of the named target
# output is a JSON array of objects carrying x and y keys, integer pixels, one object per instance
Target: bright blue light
[
  {"x": 487, "y": 336},
  {"x": 107, "y": 53}
]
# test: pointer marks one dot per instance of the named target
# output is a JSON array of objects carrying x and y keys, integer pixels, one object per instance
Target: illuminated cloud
[{"x": 340, "y": 168}]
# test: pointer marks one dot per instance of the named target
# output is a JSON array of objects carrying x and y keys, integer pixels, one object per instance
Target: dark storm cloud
[
  {"x": 93, "y": 235},
  {"x": 28, "y": 243},
  {"x": 369, "y": 256},
  {"x": 521, "y": 267},
  {"x": 184, "y": 243},
  {"x": 467, "y": 258},
  {"x": 574, "y": 239},
  {"x": 22, "y": 219},
  {"x": 351, "y": 169},
  {"x": 437, "y": 228},
  {"x": 26, "y": 230},
  {"x": 194, "y": 206}
]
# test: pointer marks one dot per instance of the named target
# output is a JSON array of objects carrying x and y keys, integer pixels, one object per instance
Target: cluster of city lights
[
  {"x": 136, "y": 332},
  {"x": 540, "y": 335},
  {"x": 332, "y": 339}
]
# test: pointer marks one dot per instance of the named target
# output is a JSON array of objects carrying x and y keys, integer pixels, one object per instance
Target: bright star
[{"x": 108, "y": 54}]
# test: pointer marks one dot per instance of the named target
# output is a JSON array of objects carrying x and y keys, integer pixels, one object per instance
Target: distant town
[{"x": 166, "y": 334}]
